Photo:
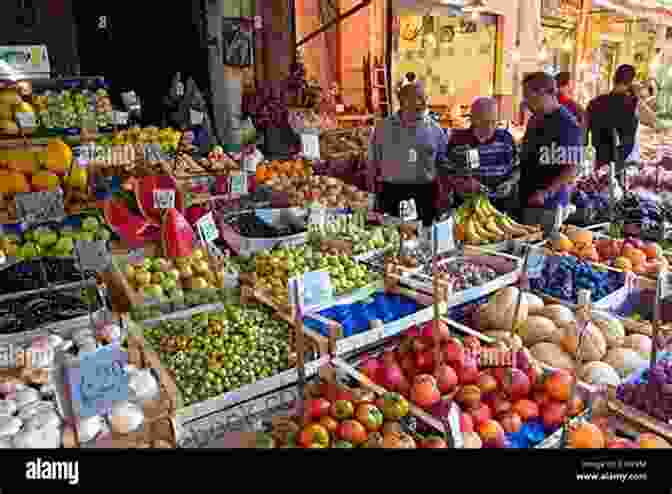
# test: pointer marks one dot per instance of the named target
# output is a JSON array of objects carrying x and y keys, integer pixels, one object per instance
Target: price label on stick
[
  {"x": 207, "y": 229},
  {"x": 93, "y": 256},
  {"x": 408, "y": 211},
  {"x": 26, "y": 120},
  {"x": 35, "y": 207},
  {"x": 164, "y": 198},
  {"x": 443, "y": 236},
  {"x": 238, "y": 184},
  {"x": 98, "y": 381},
  {"x": 310, "y": 145},
  {"x": 473, "y": 159}
]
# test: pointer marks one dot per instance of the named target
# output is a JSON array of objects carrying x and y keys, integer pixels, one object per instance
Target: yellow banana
[
  {"x": 483, "y": 232},
  {"x": 491, "y": 226},
  {"x": 470, "y": 233},
  {"x": 504, "y": 224},
  {"x": 481, "y": 210}
]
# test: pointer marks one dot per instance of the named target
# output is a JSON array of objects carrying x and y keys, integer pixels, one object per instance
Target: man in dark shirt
[
  {"x": 618, "y": 112},
  {"x": 565, "y": 92},
  {"x": 552, "y": 148},
  {"x": 495, "y": 148}
]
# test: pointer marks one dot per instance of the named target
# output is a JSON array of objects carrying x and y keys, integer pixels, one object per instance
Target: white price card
[
  {"x": 238, "y": 184},
  {"x": 179, "y": 89},
  {"x": 251, "y": 161},
  {"x": 93, "y": 256},
  {"x": 473, "y": 159},
  {"x": 207, "y": 229},
  {"x": 408, "y": 210},
  {"x": 664, "y": 285},
  {"x": 310, "y": 145},
  {"x": 196, "y": 117},
  {"x": 412, "y": 156},
  {"x": 119, "y": 117},
  {"x": 164, "y": 198},
  {"x": 443, "y": 236},
  {"x": 26, "y": 120}
]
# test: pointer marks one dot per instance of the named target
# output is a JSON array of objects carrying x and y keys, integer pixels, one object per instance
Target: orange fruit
[
  {"x": 586, "y": 436},
  {"x": 636, "y": 256}
]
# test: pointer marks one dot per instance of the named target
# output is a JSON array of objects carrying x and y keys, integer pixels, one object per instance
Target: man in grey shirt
[{"x": 403, "y": 154}]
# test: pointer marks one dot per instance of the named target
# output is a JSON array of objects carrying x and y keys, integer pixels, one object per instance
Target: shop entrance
[{"x": 140, "y": 46}]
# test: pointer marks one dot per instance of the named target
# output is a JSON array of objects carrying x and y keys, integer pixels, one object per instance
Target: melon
[
  {"x": 639, "y": 343},
  {"x": 534, "y": 303},
  {"x": 593, "y": 344},
  {"x": 538, "y": 329},
  {"x": 558, "y": 314},
  {"x": 178, "y": 236},
  {"x": 551, "y": 354},
  {"x": 612, "y": 329},
  {"x": 599, "y": 373},
  {"x": 625, "y": 361},
  {"x": 502, "y": 307},
  {"x": 144, "y": 188}
]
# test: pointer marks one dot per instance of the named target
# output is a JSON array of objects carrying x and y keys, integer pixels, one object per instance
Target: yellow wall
[{"x": 464, "y": 66}]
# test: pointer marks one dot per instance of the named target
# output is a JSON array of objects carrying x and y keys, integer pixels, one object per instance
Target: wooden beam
[{"x": 341, "y": 17}]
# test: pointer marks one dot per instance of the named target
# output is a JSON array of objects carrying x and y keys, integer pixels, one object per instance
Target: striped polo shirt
[{"x": 496, "y": 156}]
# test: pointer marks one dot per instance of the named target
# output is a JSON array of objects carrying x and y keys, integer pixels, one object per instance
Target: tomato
[
  {"x": 370, "y": 416},
  {"x": 329, "y": 423},
  {"x": 353, "y": 432},
  {"x": 394, "y": 406},
  {"x": 317, "y": 408},
  {"x": 342, "y": 410},
  {"x": 314, "y": 436}
]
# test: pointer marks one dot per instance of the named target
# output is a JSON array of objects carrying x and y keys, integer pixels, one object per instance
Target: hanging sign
[
  {"x": 36, "y": 207},
  {"x": 207, "y": 229},
  {"x": 98, "y": 381},
  {"x": 164, "y": 198}
]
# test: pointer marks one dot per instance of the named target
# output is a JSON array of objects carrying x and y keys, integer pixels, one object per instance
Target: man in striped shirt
[{"x": 494, "y": 150}]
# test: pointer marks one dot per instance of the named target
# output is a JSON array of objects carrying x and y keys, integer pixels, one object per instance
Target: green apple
[
  {"x": 65, "y": 245},
  {"x": 173, "y": 274},
  {"x": 168, "y": 284},
  {"x": 90, "y": 224},
  {"x": 153, "y": 291},
  {"x": 103, "y": 234},
  {"x": 147, "y": 263}
]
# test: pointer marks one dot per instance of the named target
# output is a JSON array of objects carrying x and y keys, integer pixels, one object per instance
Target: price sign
[
  {"x": 26, "y": 120},
  {"x": 314, "y": 289},
  {"x": 443, "y": 236},
  {"x": 164, "y": 198},
  {"x": 238, "y": 184},
  {"x": 310, "y": 145},
  {"x": 408, "y": 211},
  {"x": 196, "y": 117},
  {"x": 98, "y": 381},
  {"x": 536, "y": 261},
  {"x": 119, "y": 117},
  {"x": 36, "y": 207},
  {"x": 93, "y": 256},
  {"x": 473, "y": 159},
  {"x": 207, "y": 229}
]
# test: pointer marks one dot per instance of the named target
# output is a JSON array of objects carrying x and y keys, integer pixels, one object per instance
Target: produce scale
[{"x": 269, "y": 305}]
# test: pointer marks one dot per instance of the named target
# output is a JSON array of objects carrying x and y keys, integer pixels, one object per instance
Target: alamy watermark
[
  {"x": 67, "y": 471},
  {"x": 556, "y": 154},
  {"x": 122, "y": 153}
]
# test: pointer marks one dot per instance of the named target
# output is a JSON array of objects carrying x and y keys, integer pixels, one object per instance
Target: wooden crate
[{"x": 634, "y": 421}]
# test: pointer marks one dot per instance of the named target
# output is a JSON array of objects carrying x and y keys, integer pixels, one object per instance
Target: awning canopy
[{"x": 657, "y": 11}]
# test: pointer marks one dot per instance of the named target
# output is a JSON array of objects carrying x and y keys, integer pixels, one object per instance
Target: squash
[
  {"x": 538, "y": 329},
  {"x": 551, "y": 354},
  {"x": 599, "y": 373},
  {"x": 625, "y": 361},
  {"x": 612, "y": 329},
  {"x": 502, "y": 308},
  {"x": 558, "y": 314},
  {"x": 593, "y": 344},
  {"x": 639, "y": 343},
  {"x": 509, "y": 339},
  {"x": 534, "y": 303}
]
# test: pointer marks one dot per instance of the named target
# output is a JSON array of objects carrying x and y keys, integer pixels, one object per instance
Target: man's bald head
[{"x": 484, "y": 117}]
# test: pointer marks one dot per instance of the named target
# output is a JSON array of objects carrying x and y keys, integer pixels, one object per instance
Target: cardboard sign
[
  {"x": 207, "y": 229},
  {"x": 238, "y": 184},
  {"x": 164, "y": 198},
  {"x": 93, "y": 256},
  {"x": 408, "y": 211},
  {"x": 473, "y": 159},
  {"x": 313, "y": 288},
  {"x": 310, "y": 145},
  {"x": 443, "y": 236},
  {"x": 196, "y": 117},
  {"x": 98, "y": 381},
  {"x": 36, "y": 207},
  {"x": 26, "y": 120}
]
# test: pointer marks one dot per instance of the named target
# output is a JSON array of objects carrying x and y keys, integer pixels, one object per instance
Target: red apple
[
  {"x": 492, "y": 434},
  {"x": 317, "y": 408},
  {"x": 516, "y": 384},
  {"x": 541, "y": 398},
  {"x": 536, "y": 376},
  {"x": 446, "y": 378},
  {"x": 389, "y": 358},
  {"x": 468, "y": 372},
  {"x": 553, "y": 414},
  {"x": 511, "y": 422},
  {"x": 501, "y": 405},
  {"x": 420, "y": 345},
  {"x": 487, "y": 383},
  {"x": 424, "y": 361},
  {"x": 481, "y": 413},
  {"x": 408, "y": 366},
  {"x": 466, "y": 423},
  {"x": 453, "y": 353}
]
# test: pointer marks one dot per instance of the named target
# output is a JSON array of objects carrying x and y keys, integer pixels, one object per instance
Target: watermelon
[
  {"x": 144, "y": 188},
  {"x": 178, "y": 235},
  {"x": 132, "y": 228}
]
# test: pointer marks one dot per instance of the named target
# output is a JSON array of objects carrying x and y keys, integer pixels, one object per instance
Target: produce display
[
  {"x": 168, "y": 139},
  {"x": 310, "y": 119},
  {"x": 328, "y": 191},
  {"x": 342, "y": 143},
  {"x": 652, "y": 391},
  {"x": 275, "y": 170},
  {"x": 478, "y": 222},
  {"x": 213, "y": 353},
  {"x": 72, "y": 109},
  {"x": 642, "y": 216},
  {"x": 348, "y": 237},
  {"x": 629, "y": 254},
  {"x": 274, "y": 268}
]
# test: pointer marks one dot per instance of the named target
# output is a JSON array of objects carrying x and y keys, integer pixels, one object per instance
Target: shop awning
[
  {"x": 657, "y": 11},
  {"x": 430, "y": 7}
]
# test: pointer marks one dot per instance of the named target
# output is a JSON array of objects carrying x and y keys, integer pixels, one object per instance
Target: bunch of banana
[{"x": 483, "y": 224}]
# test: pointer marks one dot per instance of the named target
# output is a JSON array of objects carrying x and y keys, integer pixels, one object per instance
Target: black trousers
[{"x": 423, "y": 194}]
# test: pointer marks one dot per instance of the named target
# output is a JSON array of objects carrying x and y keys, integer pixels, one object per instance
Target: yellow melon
[{"x": 59, "y": 156}]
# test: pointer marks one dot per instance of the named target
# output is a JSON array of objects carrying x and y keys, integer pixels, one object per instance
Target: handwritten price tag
[
  {"x": 99, "y": 380},
  {"x": 258, "y": 23},
  {"x": 164, "y": 198},
  {"x": 207, "y": 228}
]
